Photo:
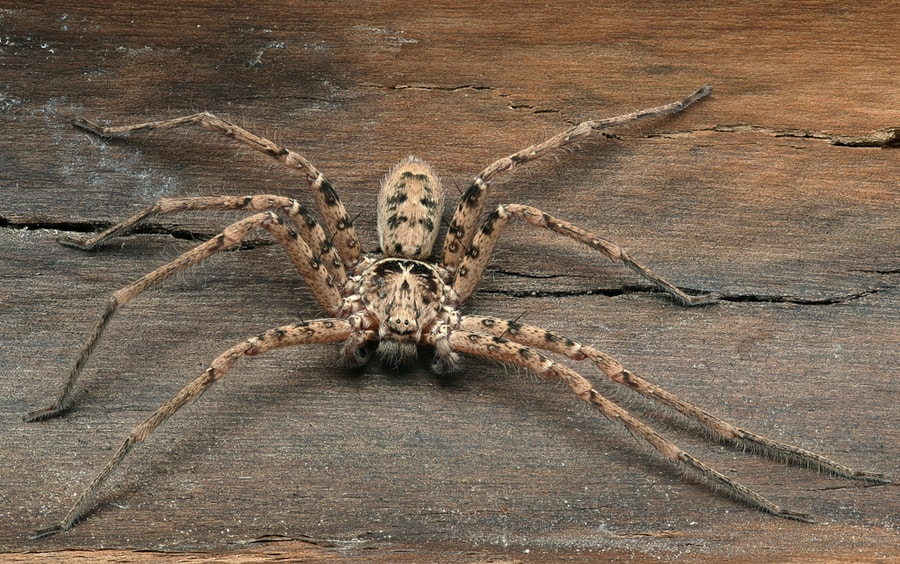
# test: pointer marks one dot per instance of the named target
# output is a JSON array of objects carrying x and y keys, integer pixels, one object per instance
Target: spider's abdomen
[{"x": 410, "y": 206}]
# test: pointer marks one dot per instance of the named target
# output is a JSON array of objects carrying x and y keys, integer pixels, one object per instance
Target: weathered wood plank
[{"x": 745, "y": 195}]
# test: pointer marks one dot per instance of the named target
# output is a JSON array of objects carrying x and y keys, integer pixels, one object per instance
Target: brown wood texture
[{"x": 779, "y": 192}]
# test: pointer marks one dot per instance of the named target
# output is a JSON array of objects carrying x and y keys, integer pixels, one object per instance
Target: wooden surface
[{"x": 778, "y": 192}]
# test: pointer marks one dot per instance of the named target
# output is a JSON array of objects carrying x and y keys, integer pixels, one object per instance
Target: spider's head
[
  {"x": 410, "y": 205},
  {"x": 406, "y": 297}
]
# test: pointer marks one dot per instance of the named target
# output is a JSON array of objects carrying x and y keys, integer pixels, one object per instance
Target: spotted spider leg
[
  {"x": 482, "y": 345},
  {"x": 334, "y": 215},
  {"x": 310, "y": 267},
  {"x": 305, "y": 224},
  {"x": 308, "y": 332},
  {"x": 539, "y": 338},
  {"x": 465, "y": 218},
  {"x": 482, "y": 246}
]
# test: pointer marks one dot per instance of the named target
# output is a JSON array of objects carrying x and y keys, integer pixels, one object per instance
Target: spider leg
[
  {"x": 318, "y": 331},
  {"x": 479, "y": 253},
  {"x": 462, "y": 226},
  {"x": 312, "y": 270},
  {"x": 498, "y": 348},
  {"x": 339, "y": 224},
  {"x": 532, "y": 336},
  {"x": 307, "y": 226},
  {"x": 324, "y": 287}
]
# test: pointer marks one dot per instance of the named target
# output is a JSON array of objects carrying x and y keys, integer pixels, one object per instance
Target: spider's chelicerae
[{"x": 401, "y": 301}]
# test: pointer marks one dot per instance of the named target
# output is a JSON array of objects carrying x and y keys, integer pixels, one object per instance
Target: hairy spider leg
[
  {"x": 504, "y": 350},
  {"x": 537, "y": 337},
  {"x": 307, "y": 226},
  {"x": 482, "y": 247},
  {"x": 311, "y": 267},
  {"x": 462, "y": 227},
  {"x": 338, "y": 223},
  {"x": 229, "y": 238},
  {"x": 308, "y": 332}
]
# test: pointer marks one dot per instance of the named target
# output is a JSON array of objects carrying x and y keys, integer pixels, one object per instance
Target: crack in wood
[{"x": 880, "y": 138}]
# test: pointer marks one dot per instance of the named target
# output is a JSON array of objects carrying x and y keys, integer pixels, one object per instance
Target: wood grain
[{"x": 779, "y": 192}]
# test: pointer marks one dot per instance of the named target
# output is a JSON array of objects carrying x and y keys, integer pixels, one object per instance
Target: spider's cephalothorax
[
  {"x": 401, "y": 302},
  {"x": 407, "y": 298}
]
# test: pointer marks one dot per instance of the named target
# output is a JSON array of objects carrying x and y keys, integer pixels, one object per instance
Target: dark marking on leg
[
  {"x": 345, "y": 223},
  {"x": 330, "y": 194},
  {"x": 471, "y": 197},
  {"x": 488, "y": 226}
]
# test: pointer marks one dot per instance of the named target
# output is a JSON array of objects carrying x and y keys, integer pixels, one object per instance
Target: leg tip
[
  {"x": 875, "y": 477},
  {"x": 796, "y": 516},
  {"x": 89, "y": 126},
  {"x": 69, "y": 241},
  {"x": 44, "y": 533},
  {"x": 43, "y": 413},
  {"x": 699, "y": 300},
  {"x": 82, "y": 123}
]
